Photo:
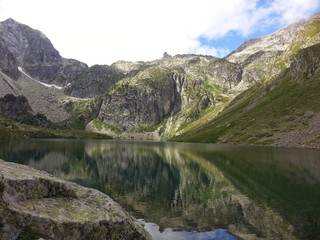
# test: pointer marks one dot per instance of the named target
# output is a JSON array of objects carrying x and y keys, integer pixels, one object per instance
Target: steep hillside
[
  {"x": 33, "y": 68},
  {"x": 32, "y": 51},
  {"x": 164, "y": 95},
  {"x": 282, "y": 112},
  {"x": 174, "y": 95},
  {"x": 18, "y": 108},
  {"x": 257, "y": 57}
]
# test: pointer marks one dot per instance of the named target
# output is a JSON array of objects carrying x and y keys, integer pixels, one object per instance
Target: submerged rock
[{"x": 34, "y": 204}]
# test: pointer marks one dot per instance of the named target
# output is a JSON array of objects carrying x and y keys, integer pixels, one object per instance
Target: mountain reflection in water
[{"x": 192, "y": 191}]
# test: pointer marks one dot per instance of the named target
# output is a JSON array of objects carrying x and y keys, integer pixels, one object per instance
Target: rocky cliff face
[
  {"x": 18, "y": 108},
  {"x": 32, "y": 67},
  {"x": 202, "y": 86},
  {"x": 158, "y": 90},
  {"x": 257, "y": 57},
  {"x": 94, "y": 81},
  {"x": 274, "y": 42},
  {"x": 36, "y": 205},
  {"x": 283, "y": 111},
  {"x": 183, "y": 85},
  {"x": 272, "y": 106},
  {"x": 30, "y": 49},
  {"x": 165, "y": 97},
  {"x": 8, "y": 63}
]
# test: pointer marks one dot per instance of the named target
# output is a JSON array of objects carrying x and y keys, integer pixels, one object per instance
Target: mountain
[
  {"x": 280, "y": 110},
  {"x": 178, "y": 97},
  {"x": 257, "y": 56},
  {"x": 32, "y": 67},
  {"x": 185, "y": 91},
  {"x": 167, "y": 93},
  {"x": 17, "y": 108},
  {"x": 34, "y": 53}
]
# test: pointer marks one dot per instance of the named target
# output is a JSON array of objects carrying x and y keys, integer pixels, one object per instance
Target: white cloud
[
  {"x": 292, "y": 10},
  {"x": 208, "y": 50},
  {"x": 99, "y": 31}
]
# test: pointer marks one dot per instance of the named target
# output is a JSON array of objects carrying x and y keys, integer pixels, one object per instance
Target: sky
[{"x": 105, "y": 31}]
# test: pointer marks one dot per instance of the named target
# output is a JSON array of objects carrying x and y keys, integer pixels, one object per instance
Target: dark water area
[{"x": 192, "y": 191}]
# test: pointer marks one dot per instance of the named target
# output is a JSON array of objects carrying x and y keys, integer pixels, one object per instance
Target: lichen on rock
[{"x": 34, "y": 204}]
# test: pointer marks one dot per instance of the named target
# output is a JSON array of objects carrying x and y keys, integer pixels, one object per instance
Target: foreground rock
[{"x": 34, "y": 204}]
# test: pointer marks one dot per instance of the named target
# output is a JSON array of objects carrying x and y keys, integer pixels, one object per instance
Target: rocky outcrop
[
  {"x": 277, "y": 41},
  {"x": 8, "y": 63},
  {"x": 31, "y": 49},
  {"x": 22, "y": 46},
  {"x": 257, "y": 57},
  {"x": 7, "y": 85},
  {"x": 130, "y": 105},
  {"x": 281, "y": 112},
  {"x": 35, "y": 205},
  {"x": 18, "y": 108},
  {"x": 95, "y": 81},
  {"x": 181, "y": 85},
  {"x": 162, "y": 97},
  {"x": 14, "y": 107}
]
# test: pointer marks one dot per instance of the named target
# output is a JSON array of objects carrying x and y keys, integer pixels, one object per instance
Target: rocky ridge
[
  {"x": 172, "y": 89},
  {"x": 200, "y": 87},
  {"x": 158, "y": 99},
  {"x": 18, "y": 108},
  {"x": 57, "y": 209},
  {"x": 32, "y": 67},
  {"x": 283, "y": 111},
  {"x": 257, "y": 56}
]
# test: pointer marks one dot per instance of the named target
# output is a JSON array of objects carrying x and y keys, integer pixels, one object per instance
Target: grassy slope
[
  {"x": 266, "y": 108},
  {"x": 198, "y": 86},
  {"x": 10, "y": 129},
  {"x": 272, "y": 106}
]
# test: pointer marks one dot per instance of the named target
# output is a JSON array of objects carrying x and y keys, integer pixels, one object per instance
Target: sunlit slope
[{"x": 284, "y": 111}]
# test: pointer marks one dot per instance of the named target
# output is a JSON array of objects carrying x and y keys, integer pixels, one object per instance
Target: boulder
[{"x": 35, "y": 205}]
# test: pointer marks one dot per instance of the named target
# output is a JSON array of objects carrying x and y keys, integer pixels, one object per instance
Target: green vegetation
[
  {"x": 312, "y": 29},
  {"x": 266, "y": 108},
  {"x": 99, "y": 125},
  {"x": 120, "y": 87},
  {"x": 305, "y": 36},
  {"x": 80, "y": 111},
  {"x": 145, "y": 128},
  {"x": 27, "y": 234},
  {"x": 71, "y": 134},
  {"x": 156, "y": 79},
  {"x": 11, "y": 129},
  {"x": 37, "y": 126}
]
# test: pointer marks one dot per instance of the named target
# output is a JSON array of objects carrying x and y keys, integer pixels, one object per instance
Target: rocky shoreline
[{"x": 35, "y": 205}]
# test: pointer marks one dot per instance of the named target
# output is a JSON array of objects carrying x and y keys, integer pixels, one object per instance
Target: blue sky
[
  {"x": 103, "y": 32},
  {"x": 271, "y": 23}
]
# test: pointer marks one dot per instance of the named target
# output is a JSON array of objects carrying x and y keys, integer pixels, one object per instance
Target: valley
[{"x": 264, "y": 93}]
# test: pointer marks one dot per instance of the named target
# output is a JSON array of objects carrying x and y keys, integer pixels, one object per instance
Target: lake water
[{"x": 192, "y": 191}]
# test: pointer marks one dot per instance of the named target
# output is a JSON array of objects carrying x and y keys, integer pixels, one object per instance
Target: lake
[{"x": 191, "y": 191}]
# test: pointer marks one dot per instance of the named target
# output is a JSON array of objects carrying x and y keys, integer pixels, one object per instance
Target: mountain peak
[
  {"x": 274, "y": 42},
  {"x": 11, "y": 21},
  {"x": 166, "y": 55}
]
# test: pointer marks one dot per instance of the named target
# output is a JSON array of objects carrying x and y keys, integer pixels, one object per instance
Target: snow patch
[{"x": 44, "y": 84}]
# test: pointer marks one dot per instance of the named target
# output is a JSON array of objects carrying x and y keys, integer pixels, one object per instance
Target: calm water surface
[{"x": 192, "y": 191}]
